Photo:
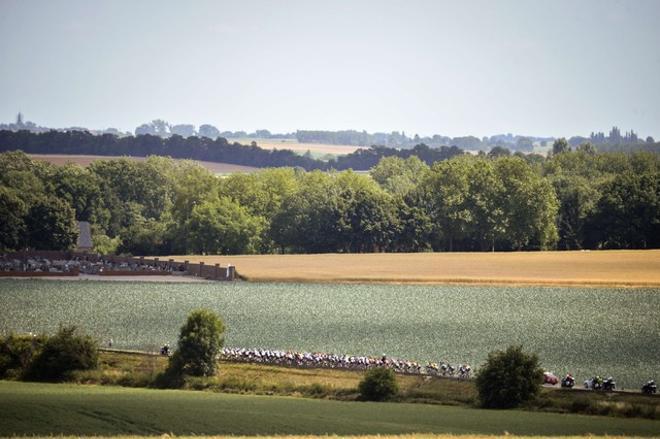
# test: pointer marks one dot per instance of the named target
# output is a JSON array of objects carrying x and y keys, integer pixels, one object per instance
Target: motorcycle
[
  {"x": 609, "y": 385},
  {"x": 595, "y": 383},
  {"x": 568, "y": 382},
  {"x": 649, "y": 388}
]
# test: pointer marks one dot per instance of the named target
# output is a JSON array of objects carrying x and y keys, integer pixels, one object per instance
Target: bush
[
  {"x": 200, "y": 341},
  {"x": 17, "y": 353},
  {"x": 63, "y": 353},
  {"x": 509, "y": 378},
  {"x": 378, "y": 384}
]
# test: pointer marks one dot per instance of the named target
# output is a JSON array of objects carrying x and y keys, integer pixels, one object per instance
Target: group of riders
[{"x": 351, "y": 362}]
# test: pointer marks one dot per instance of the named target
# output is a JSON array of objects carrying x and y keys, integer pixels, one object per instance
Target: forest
[{"x": 574, "y": 199}]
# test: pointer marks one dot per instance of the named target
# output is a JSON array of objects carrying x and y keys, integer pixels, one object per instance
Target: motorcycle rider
[{"x": 650, "y": 387}]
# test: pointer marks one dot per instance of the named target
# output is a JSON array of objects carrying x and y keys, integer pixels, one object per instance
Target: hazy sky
[{"x": 555, "y": 68}]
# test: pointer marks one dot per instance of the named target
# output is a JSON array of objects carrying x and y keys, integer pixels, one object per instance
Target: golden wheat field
[
  {"x": 301, "y": 148},
  {"x": 588, "y": 268},
  {"x": 86, "y": 160}
]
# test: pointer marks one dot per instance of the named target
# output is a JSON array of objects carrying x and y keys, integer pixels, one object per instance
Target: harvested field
[
  {"x": 86, "y": 160},
  {"x": 301, "y": 148},
  {"x": 584, "y": 268}
]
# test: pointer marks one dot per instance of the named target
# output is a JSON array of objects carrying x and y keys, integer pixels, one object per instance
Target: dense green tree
[
  {"x": 577, "y": 198},
  {"x": 64, "y": 352},
  {"x": 51, "y": 225},
  {"x": 310, "y": 220},
  {"x": 447, "y": 188},
  {"x": 509, "y": 378},
  {"x": 415, "y": 225},
  {"x": 223, "y": 227},
  {"x": 142, "y": 237},
  {"x": 628, "y": 213},
  {"x": 370, "y": 220},
  {"x": 262, "y": 192},
  {"x": 12, "y": 226},
  {"x": 200, "y": 341},
  {"x": 17, "y": 352},
  {"x": 398, "y": 176},
  {"x": 484, "y": 202},
  {"x": 529, "y": 206},
  {"x": 79, "y": 188}
]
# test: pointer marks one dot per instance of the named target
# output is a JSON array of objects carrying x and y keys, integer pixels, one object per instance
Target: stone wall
[{"x": 212, "y": 272}]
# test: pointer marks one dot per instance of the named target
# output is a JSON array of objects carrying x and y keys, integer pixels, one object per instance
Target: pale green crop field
[{"x": 585, "y": 331}]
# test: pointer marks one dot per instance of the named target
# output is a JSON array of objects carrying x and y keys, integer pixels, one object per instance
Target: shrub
[
  {"x": 200, "y": 341},
  {"x": 17, "y": 353},
  {"x": 378, "y": 384},
  {"x": 63, "y": 353},
  {"x": 509, "y": 378}
]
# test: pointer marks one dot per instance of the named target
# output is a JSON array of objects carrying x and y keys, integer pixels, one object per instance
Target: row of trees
[
  {"x": 573, "y": 200},
  {"x": 396, "y": 139},
  {"x": 201, "y": 148}
]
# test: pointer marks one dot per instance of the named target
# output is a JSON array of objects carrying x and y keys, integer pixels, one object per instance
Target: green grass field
[{"x": 56, "y": 409}]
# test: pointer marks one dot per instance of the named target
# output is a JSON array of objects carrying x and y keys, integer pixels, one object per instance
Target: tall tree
[
  {"x": 51, "y": 224},
  {"x": 222, "y": 227}
]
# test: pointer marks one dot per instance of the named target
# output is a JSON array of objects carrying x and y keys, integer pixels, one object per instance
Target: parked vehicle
[{"x": 550, "y": 378}]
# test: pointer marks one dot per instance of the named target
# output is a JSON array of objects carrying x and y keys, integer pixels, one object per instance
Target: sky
[{"x": 544, "y": 68}]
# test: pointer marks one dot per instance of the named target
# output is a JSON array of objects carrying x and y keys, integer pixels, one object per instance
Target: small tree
[
  {"x": 509, "y": 378},
  {"x": 64, "y": 352},
  {"x": 378, "y": 384},
  {"x": 200, "y": 341}
]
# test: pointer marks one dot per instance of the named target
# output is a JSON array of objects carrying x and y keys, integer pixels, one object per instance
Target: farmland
[
  {"x": 597, "y": 268},
  {"x": 582, "y": 330},
  {"x": 316, "y": 149},
  {"x": 86, "y": 160},
  {"x": 94, "y": 410}
]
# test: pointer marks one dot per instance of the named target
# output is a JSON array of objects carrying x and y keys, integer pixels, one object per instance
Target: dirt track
[{"x": 636, "y": 268}]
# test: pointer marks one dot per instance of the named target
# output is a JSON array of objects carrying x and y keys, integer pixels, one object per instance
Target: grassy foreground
[
  {"x": 138, "y": 370},
  {"x": 65, "y": 409},
  {"x": 591, "y": 268},
  {"x": 387, "y": 436}
]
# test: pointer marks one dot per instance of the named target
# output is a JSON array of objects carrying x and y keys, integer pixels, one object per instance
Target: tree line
[
  {"x": 202, "y": 148},
  {"x": 572, "y": 200}
]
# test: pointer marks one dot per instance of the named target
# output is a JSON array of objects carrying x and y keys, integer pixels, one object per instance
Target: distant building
[{"x": 85, "y": 243}]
